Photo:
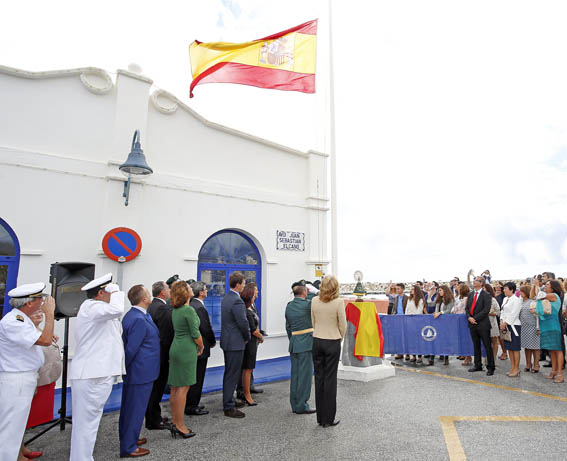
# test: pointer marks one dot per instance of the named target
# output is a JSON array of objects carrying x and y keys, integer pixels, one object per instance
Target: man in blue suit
[
  {"x": 235, "y": 333},
  {"x": 142, "y": 355}
]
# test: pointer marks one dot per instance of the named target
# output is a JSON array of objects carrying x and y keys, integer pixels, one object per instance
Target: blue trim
[
  {"x": 229, "y": 268},
  {"x": 13, "y": 263},
  {"x": 266, "y": 371}
]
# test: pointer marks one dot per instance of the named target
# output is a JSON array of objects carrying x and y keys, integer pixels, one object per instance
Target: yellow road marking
[
  {"x": 454, "y": 447},
  {"x": 482, "y": 383},
  {"x": 452, "y": 441}
]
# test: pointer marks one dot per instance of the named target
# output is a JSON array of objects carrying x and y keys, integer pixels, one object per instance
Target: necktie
[{"x": 474, "y": 302}]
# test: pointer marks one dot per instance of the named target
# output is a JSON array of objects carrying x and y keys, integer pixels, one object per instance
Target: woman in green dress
[
  {"x": 550, "y": 328},
  {"x": 186, "y": 346}
]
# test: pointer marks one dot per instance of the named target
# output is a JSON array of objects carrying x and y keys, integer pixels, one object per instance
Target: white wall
[{"x": 60, "y": 147}]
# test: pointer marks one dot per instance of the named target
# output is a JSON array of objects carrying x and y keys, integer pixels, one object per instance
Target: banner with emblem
[
  {"x": 282, "y": 61},
  {"x": 424, "y": 335}
]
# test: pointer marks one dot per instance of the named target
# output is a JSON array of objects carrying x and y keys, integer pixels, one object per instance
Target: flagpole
[{"x": 334, "y": 245}]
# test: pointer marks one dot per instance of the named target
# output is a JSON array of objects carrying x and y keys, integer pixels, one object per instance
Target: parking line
[
  {"x": 453, "y": 443},
  {"x": 482, "y": 383}
]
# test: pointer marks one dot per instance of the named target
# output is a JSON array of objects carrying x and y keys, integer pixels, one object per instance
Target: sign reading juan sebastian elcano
[{"x": 287, "y": 240}]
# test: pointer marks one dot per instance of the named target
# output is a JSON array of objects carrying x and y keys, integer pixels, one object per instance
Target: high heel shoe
[
  {"x": 559, "y": 378},
  {"x": 253, "y": 404},
  {"x": 551, "y": 375},
  {"x": 175, "y": 432}
]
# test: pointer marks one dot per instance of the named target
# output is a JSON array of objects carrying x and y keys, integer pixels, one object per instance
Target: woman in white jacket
[
  {"x": 510, "y": 320},
  {"x": 416, "y": 306}
]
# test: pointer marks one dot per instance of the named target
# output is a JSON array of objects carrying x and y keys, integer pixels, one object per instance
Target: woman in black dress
[{"x": 249, "y": 295}]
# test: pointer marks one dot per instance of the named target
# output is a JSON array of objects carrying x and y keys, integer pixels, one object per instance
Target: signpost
[
  {"x": 291, "y": 241},
  {"x": 121, "y": 244}
]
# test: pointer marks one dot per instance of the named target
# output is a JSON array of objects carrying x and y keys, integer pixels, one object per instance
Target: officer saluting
[
  {"x": 20, "y": 359},
  {"x": 300, "y": 333},
  {"x": 98, "y": 361}
]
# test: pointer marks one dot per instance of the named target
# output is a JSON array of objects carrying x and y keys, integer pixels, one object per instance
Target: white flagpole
[{"x": 334, "y": 245}]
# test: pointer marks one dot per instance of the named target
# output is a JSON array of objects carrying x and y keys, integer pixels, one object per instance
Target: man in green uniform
[{"x": 300, "y": 333}]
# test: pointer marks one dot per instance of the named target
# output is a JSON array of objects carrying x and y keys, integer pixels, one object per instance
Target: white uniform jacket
[{"x": 99, "y": 351}]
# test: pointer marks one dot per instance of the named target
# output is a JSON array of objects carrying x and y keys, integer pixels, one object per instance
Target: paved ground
[{"x": 397, "y": 418}]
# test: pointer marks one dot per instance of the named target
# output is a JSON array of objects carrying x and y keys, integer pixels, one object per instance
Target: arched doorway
[
  {"x": 222, "y": 254},
  {"x": 9, "y": 264}
]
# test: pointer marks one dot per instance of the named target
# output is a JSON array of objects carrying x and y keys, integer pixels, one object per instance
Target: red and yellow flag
[
  {"x": 369, "y": 340},
  {"x": 283, "y": 61}
]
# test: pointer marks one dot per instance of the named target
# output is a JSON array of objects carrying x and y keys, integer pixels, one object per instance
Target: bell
[{"x": 136, "y": 164}]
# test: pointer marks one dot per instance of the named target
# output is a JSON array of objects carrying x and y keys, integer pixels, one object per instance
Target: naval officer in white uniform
[
  {"x": 98, "y": 361},
  {"x": 20, "y": 359}
]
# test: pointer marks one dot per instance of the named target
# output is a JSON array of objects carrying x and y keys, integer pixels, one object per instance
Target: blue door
[
  {"x": 9, "y": 263},
  {"x": 222, "y": 254}
]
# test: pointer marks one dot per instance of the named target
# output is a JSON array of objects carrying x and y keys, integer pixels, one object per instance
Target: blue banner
[{"x": 425, "y": 335}]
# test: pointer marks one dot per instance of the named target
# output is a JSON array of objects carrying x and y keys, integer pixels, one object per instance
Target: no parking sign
[{"x": 121, "y": 244}]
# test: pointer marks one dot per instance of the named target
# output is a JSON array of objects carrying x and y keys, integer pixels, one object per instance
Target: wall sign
[
  {"x": 121, "y": 244},
  {"x": 292, "y": 241}
]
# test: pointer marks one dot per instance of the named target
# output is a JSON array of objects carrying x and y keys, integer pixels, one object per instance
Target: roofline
[{"x": 80, "y": 71}]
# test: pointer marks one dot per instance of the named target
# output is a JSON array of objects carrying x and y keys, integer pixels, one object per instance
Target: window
[
  {"x": 228, "y": 248},
  {"x": 222, "y": 254},
  {"x": 9, "y": 264}
]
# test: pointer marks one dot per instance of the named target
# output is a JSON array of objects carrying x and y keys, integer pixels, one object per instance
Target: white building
[{"x": 213, "y": 205}]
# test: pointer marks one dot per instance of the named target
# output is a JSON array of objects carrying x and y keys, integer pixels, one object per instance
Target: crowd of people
[
  {"x": 501, "y": 315},
  {"x": 164, "y": 339}
]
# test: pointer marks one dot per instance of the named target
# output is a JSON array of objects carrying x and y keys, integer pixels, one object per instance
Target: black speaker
[{"x": 66, "y": 280}]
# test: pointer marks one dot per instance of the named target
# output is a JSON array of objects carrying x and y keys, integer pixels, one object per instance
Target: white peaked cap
[
  {"x": 29, "y": 290},
  {"x": 100, "y": 282}
]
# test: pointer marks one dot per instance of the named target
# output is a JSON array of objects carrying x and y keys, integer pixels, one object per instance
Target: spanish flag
[
  {"x": 283, "y": 61},
  {"x": 369, "y": 340}
]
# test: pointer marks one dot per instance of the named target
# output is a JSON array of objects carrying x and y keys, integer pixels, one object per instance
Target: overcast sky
[{"x": 451, "y": 116}]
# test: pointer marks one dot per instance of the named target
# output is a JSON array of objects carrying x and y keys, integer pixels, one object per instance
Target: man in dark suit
[
  {"x": 235, "y": 333},
  {"x": 161, "y": 315},
  {"x": 192, "y": 406},
  {"x": 142, "y": 356},
  {"x": 477, "y": 310}
]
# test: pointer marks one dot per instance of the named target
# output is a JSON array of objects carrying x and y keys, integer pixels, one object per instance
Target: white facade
[{"x": 63, "y": 135}]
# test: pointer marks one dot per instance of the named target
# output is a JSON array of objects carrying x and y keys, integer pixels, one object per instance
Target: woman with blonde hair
[
  {"x": 186, "y": 346},
  {"x": 329, "y": 327}
]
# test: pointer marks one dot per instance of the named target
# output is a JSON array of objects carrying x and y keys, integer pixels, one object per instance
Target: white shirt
[
  {"x": 200, "y": 300},
  {"x": 412, "y": 309},
  {"x": 18, "y": 351},
  {"x": 510, "y": 310},
  {"x": 99, "y": 350},
  {"x": 141, "y": 309}
]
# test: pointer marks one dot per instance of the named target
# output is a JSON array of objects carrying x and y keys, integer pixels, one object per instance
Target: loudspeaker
[{"x": 66, "y": 280}]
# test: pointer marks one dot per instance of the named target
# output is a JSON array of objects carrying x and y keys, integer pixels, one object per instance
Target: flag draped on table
[
  {"x": 369, "y": 341},
  {"x": 282, "y": 61}
]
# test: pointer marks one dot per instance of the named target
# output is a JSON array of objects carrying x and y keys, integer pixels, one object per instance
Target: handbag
[
  {"x": 506, "y": 335},
  {"x": 51, "y": 369}
]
